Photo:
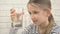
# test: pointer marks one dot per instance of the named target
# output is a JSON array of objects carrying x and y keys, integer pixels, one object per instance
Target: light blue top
[{"x": 32, "y": 29}]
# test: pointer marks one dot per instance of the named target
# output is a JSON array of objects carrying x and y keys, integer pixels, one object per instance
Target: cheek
[
  {"x": 41, "y": 17},
  {"x": 37, "y": 17}
]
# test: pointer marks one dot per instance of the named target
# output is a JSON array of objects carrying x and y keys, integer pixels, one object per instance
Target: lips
[{"x": 34, "y": 20}]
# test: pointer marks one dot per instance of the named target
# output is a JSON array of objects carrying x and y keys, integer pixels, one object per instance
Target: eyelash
[{"x": 35, "y": 12}]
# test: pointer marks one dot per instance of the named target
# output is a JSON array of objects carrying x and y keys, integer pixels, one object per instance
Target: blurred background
[{"x": 6, "y": 5}]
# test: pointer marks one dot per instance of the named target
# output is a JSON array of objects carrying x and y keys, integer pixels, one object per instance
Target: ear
[{"x": 47, "y": 12}]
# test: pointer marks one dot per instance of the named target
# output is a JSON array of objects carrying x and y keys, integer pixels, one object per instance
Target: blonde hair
[{"x": 44, "y": 4}]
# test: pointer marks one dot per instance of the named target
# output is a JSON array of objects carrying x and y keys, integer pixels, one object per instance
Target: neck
[
  {"x": 44, "y": 24},
  {"x": 41, "y": 31},
  {"x": 42, "y": 27}
]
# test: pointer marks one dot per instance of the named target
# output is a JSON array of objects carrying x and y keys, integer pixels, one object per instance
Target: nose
[{"x": 32, "y": 16}]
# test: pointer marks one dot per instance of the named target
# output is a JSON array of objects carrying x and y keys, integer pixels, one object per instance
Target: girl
[{"x": 43, "y": 21}]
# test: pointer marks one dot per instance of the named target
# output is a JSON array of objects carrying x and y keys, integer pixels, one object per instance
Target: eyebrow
[{"x": 33, "y": 5}]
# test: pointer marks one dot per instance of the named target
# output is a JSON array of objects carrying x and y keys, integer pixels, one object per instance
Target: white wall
[
  {"x": 5, "y": 6},
  {"x": 56, "y": 10}
]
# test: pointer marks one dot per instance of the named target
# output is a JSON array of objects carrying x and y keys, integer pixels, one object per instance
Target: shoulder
[
  {"x": 56, "y": 29},
  {"x": 28, "y": 29}
]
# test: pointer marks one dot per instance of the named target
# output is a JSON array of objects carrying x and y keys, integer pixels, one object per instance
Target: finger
[{"x": 12, "y": 9}]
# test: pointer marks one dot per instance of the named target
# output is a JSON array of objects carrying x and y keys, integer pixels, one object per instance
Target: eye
[
  {"x": 35, "y": 12},
  {"x": 29, "y": 12}
]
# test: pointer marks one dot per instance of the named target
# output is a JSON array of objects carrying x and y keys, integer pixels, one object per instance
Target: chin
[{"x": 36, "y": 23}]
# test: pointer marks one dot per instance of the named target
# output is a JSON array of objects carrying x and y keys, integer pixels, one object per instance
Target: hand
[{"x": 13, "y": 14}]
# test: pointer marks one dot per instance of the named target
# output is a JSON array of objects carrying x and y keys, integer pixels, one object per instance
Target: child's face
[{"x": 38, "y": 15}]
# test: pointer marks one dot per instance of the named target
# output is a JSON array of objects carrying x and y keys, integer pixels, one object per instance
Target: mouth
[{"x": 34, "y": 20}]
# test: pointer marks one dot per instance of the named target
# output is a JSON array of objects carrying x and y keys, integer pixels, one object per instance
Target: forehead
[{"x": 32, "y": 7}]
